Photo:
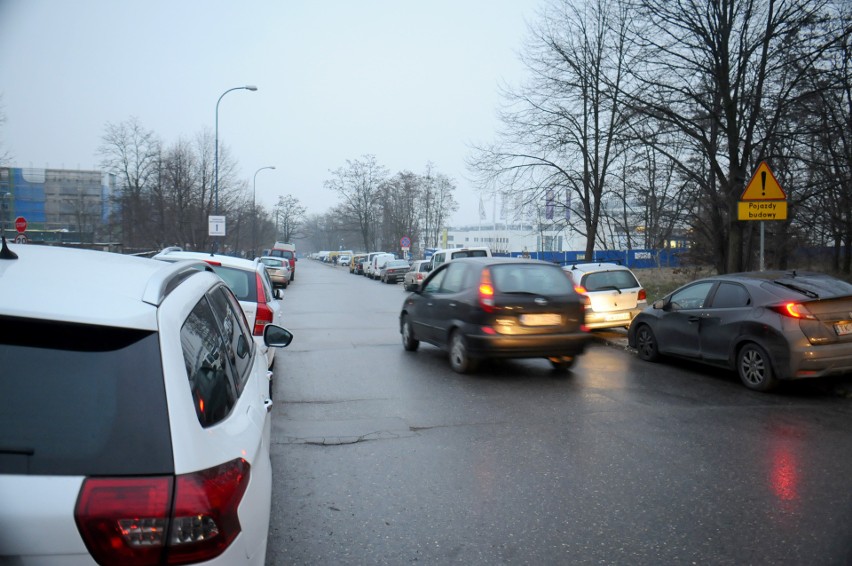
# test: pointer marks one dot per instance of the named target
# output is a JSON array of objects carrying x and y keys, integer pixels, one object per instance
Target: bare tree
[
  {"x": 131, "y": 153},
  {"x": 401, "y": 208},
  {"x": 359, "y": 185},
  {"x": 439, "y": 204},
  {"x": 289, "y": 216},
  {"x": 561, "y": 130},
  {"x": 719, "y": 72}
]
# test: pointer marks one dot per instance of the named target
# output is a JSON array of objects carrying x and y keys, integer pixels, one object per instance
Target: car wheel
[
  {"x": 408, "y": 341},
  {"x": 459, "y": 357},
  {"x": 755, "y": 368},
  {"x": 646, "y": 344},
  {"x": 562, "y": 363}
]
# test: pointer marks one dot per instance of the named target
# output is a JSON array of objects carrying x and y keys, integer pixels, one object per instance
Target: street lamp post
[
  {"x": 216, "y": 149},
  {"x": 254, "y": 210}
]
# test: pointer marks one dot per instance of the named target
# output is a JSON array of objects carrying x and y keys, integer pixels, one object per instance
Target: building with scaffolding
[{"x": 60, "y": 205}]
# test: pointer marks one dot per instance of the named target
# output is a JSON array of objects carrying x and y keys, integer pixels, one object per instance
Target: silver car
[{"x": 615, "y": 295}]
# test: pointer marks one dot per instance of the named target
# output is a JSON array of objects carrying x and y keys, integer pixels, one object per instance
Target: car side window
[
  {"x": 208, "y": 369},
  {"x": 237, "y": 337},
  {"x": 454, "y": 280},
  {"x": 692, "y": 297},
  {"x": 433, "y": 284},
  {"x": 730, "y": 295}
]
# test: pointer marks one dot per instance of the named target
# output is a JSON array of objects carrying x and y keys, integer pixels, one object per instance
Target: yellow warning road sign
[{"x": 763, "y": 186}]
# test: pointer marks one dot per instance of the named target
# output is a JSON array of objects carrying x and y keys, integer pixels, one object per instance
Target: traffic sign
[
  {"x": 763, "y": 185},
  {"x": 405, "y": 242},
  {"x": 21, "y": 224},
  {"x": 21, "y": 239},
  {"x": 216, "y": 225}
]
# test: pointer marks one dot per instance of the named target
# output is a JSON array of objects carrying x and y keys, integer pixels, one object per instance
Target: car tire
[
  {"x": 646, "y": 344},
  {"x": 562, "y": 363},
  {"x": 460, "y": 359},
  {"x": 755, "y": 368},
  {"x": 409, "y": 342}
]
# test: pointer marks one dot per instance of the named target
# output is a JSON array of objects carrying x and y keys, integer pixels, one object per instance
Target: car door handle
[
  {"x": 453, "y": 304},
  {"x": 268, "y": 404}
]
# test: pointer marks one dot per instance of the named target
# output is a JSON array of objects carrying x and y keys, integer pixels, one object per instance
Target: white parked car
[
  {"x": 615, "y": 295},
  {"x": 440, "y": 257},
  {"x": 250, "y": 282},
  {"x": 134, "y": 415},
  {"x": 378, "y": 263}
]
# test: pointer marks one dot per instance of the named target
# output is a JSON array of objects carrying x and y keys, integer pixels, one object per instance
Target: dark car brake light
[
  {"x": 263, "y": 316},
  {"x": 486, "y": 291},
  {"x": 139, "y": 521},
  {"x": 793, "y": 310}
]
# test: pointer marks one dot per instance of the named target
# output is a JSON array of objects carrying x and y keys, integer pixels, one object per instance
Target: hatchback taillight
[
  {"x": 643, "y": 296},
  {"x": 164, "y": 519},
  {"x": 794, "y": 310},
  {"x": 263, "y": 316},
  {"x": 486, "y": 291},
  {"x": 580, "y": 290}
]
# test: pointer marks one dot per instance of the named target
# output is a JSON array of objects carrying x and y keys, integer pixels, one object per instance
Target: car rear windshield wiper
[
  {"x": 17, "y": 451},
  {"x": 805, "y": 292},
  {"x": 605, "y": 287},
  {"x": 520, "y": 293}
]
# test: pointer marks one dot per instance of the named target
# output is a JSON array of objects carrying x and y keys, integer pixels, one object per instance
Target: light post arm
[{"x": 216, "y": 147}]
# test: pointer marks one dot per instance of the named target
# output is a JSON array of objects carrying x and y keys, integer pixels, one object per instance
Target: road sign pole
[{"x": 762, "y": 263}]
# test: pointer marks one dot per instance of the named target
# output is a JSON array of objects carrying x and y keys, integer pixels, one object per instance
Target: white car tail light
[
  {"x": 140, "y": 521},
  {"x": 264, "y": 313}
]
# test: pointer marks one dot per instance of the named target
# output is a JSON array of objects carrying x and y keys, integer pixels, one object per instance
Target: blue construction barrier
[{"x": 634, "y": 259}]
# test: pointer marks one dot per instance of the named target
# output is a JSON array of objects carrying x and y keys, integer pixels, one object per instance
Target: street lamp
[
  {"x": 216, "y": 150},
  {"x": 254, "y": 210}
]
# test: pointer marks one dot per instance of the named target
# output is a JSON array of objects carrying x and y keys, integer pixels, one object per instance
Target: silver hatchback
[{"x": 615, "y": 295}]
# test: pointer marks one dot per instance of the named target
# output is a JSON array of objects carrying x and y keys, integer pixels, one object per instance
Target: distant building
[
  {"x": 57, "y": 201},
  {"x": 514, "y": 238}
]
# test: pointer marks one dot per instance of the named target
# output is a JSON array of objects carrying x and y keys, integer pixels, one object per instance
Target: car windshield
[
  {"x": 530, "y": 278},
  {"x": 81, "y": 399},
  {"x": 272, "y": 262},
  {"x": 397, "y": 263}
]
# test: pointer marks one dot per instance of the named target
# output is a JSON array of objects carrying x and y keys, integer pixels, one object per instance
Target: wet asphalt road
[{"x": 382, "y": 456}]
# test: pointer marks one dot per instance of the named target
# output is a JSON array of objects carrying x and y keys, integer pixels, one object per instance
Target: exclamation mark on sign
[{"x": 763, "y": 183}]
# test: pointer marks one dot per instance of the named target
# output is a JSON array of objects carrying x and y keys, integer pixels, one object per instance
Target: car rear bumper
[
  {"x": 821, "y": 361},
  {"x": 613, "y": 319},
  {"x": 527, "y": 346}
]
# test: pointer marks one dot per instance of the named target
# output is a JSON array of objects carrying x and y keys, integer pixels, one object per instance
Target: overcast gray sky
[{"x": 408, "y": 81}]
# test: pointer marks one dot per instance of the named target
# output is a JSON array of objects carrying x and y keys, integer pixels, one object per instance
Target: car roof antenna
[{"x": 5, "y": 252}]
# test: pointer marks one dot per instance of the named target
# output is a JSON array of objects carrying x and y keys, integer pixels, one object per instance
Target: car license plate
[
  {"x": 843, "y": 328},
  {"x": 541, "y": 319},
  {"x": 619, "y": 316}
]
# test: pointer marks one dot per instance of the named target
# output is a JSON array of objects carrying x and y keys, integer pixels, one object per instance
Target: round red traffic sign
[{"x": 21, "y": 224}]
